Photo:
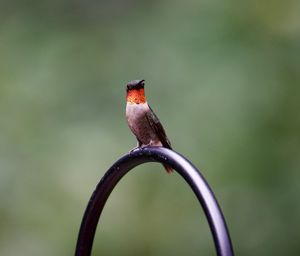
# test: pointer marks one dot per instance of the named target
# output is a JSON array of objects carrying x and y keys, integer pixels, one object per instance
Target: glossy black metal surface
[{"x": 154, "y": 154}]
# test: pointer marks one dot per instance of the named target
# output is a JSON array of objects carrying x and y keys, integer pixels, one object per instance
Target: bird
[{"x": 142, "y": 121}]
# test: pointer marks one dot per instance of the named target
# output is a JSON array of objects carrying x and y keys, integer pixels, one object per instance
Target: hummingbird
[{"x": 142, "y": 121}]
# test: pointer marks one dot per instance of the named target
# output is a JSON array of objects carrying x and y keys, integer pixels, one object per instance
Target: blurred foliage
[{"x": 222, "y": 76}]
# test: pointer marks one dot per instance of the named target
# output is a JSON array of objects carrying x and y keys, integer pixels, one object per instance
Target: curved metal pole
[{"x": 186, "y": 169}]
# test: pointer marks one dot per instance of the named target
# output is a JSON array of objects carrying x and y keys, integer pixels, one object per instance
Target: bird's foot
[
  {"x": 146, "y": 145},
  {"x": 135, "y": 148},
  {"x": 141, "y": 146}
]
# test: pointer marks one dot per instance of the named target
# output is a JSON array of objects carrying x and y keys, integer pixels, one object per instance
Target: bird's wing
[{"x": 158, "y": 128}]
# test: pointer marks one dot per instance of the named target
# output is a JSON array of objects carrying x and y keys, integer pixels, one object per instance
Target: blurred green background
[{"x": 222, "y": 76}]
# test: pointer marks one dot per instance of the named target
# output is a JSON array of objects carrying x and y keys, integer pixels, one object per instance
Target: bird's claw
[
  {"x": 131, "y": 151},
  {"x": 145, "y": 146}
]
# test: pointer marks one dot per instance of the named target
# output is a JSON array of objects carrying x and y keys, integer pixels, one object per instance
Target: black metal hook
[{"x": 186, "y": 169}]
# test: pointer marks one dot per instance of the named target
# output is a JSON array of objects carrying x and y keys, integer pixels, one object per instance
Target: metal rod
[{"x": 185, "y": 168}]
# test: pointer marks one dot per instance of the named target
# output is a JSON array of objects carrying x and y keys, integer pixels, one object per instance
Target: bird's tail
[{"x": 168, "y": 168}]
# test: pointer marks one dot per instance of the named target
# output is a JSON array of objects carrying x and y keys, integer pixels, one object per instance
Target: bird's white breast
[
  {"x": 135, "y": 111},
  {"x": 138, "y": 123}
]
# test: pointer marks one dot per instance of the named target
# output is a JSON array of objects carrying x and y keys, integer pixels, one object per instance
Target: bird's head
[{"x": 135, "y": 92}]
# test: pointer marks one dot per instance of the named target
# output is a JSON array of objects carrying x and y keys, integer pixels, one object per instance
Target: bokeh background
[{"x": 223, "y": 76}]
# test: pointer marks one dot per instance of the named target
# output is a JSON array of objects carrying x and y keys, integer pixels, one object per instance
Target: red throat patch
[{"x": 136, "y": 96}]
